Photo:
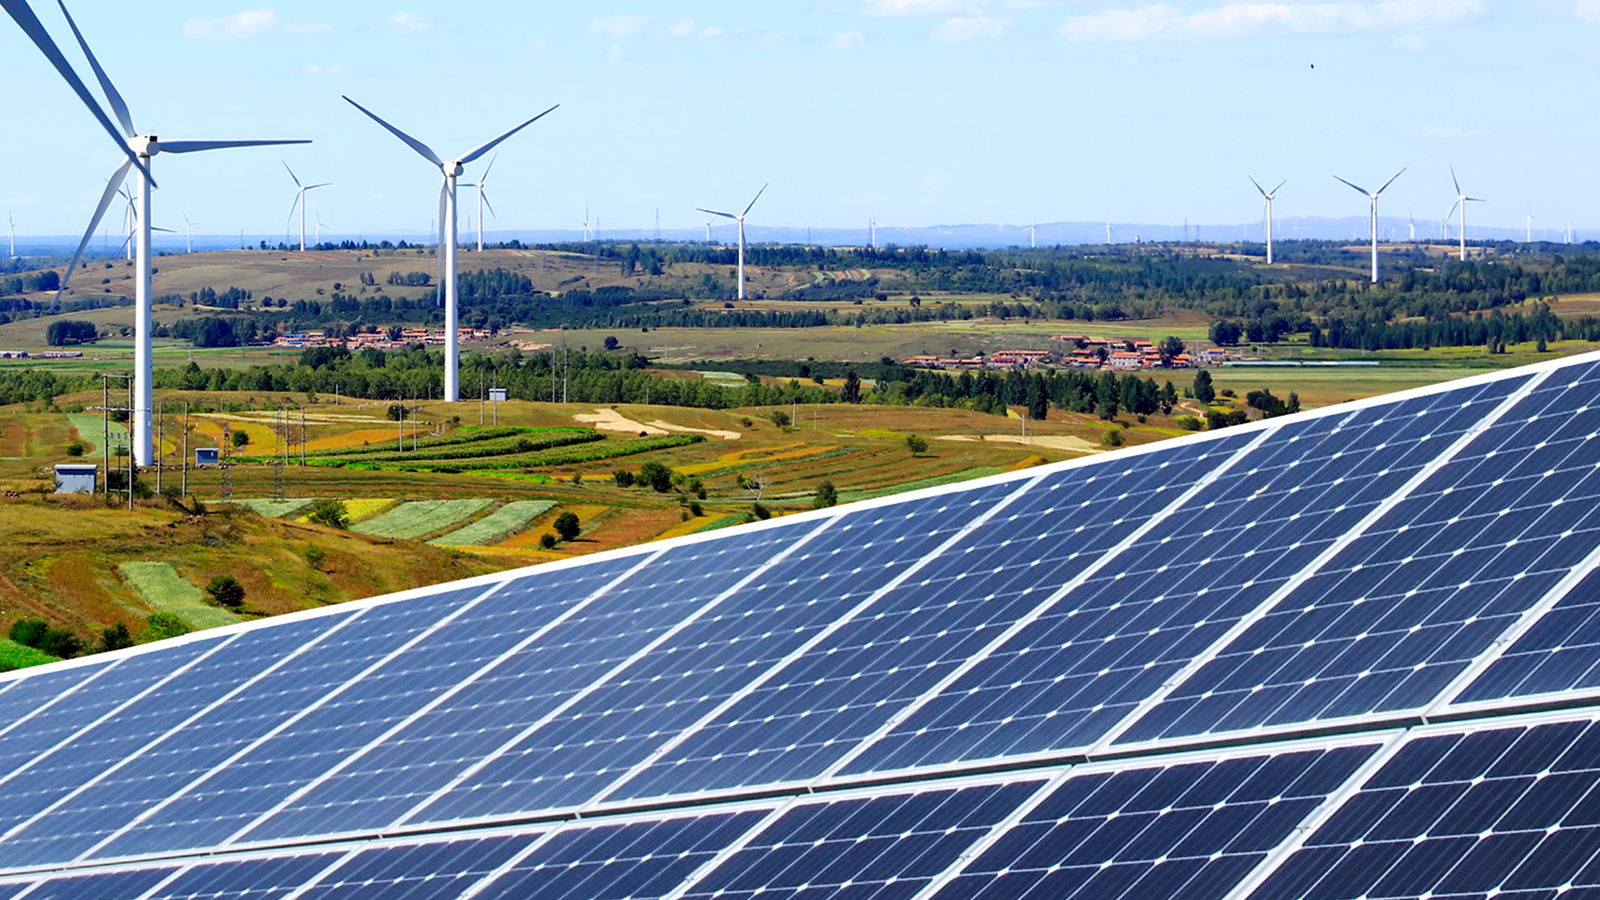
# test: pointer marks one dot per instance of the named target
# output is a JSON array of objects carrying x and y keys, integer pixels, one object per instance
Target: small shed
[
  {"x": 207, "y": 456},
  {"x": 497, "y": 395},
  {"x": 77, "y": 478}
]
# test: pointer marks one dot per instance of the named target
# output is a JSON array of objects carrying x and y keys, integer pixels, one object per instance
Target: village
[
  {"x": 1083, "y": 352},
  {"x": 393, "y": 339}
]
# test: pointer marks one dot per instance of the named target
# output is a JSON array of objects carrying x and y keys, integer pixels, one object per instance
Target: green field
[
  {"x": 160, "y": 585},
  {"x": 275, "y": 509},
  {"x": 497, "y": 525},
  {"x": 413, "y": 520},
  {"x": 17, "y": 656}
]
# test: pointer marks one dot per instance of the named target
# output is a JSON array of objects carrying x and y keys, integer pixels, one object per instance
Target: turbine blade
[
  {"x": 1257, "y": 184},
  {"x": 197, "y": 146},
  {"x": 753, "y": 202},
  {"x": 291, "y": 174},
  {"x": 1279, "y": 187},
  {"x": 1363, "y": 190},
  {"x": 167, "y": 230},
  {"x": 1454, "y": 179},
  {"x": 1476, "y": 200},
  {"x": 712, "y": 212},
  {"x": 110, "y": 194},
  {"x": 410, "y": 141},
  {"x": 486, "y": 169},
  {"x": 118, "y": 107},
  {"x": 488, "y": 204},
  {"x": 444, "y": 194},
  {"x": 295, "y": 205},
  {"x": 1391, "y": 181},
  {"x": 312, "y": 187},
  {"x": 29, "y": 23},
  {"x": 485, "y": 148}
]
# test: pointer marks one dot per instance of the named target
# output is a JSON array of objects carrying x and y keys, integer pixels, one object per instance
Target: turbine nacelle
[
  {"x": 453, "y": 170},
  {"x": 145, "y": 146}
]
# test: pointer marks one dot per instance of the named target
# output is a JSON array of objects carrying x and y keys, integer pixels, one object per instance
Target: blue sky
[{"x": 918, "y": 112}]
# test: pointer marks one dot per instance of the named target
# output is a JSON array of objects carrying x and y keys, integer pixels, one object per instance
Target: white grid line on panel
[
  {"x": 1000, "y": 829},
  {"x": 50, "y": 704},
  {"x": 643, "y": 652},
  {"x": 1328, "y": 554},
  {"x": 322, "y": 875},
  {"x": 499, "y": 872},
  {"x": 288, "y": 723},
  {"x": 816, "y": 640},
  {"x": 163, "y": 884},
  {"x": 110, "y": 714},
  {"x": 199, "y": 714},
  {"x": 1049, "y": 603},
  {"x": 1521, "y": 626},
  {"x": 1317, "y": 818},
  {"x": 728, "y": 852},
  {"x": 538, "y": 635}
]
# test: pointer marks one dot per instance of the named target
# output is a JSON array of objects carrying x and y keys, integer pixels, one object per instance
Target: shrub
[
  {"x": 29, "y": 632},
  {"x": 827, "y": 496},
  {"x": 61, "y": 642},
  {"x": 1112, "y": 439},
  {"x": 225, "y": 590},
  {"x": 761, "y": 511},
  {"x": 162, "y": 626},
  {"x": 917, "y": 444},
  {"x": 623, "y": 478},
  {"x": 395, "y": 412},
  {"x": 568, "y": 526},
  {"x": 76, "y": 448},
  {"x": 656, "y": 475},
  {"x": 315, "y": 556},
  {"x": 332, "y": 513},
  {"x": 547, "y": 541},
  {"x": 240, "y": 438},
  {"x": 779, "y": 418},
  {"x": 695, "y": 509},
  {"x": 577, "y": 479},
  {"x": 1189, "y": 423},
  {"x": 117, "y": 637}
]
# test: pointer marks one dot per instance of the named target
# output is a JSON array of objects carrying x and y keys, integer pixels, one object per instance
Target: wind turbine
[
  {"x": 1461, "y": 203},
  {"x": 319, "y": 226},
  {"x": 1531, "y": 219},
  {"x": 448, "y": 235},
  {"x": 1267, "y": 198},
  {"x": 139, "y": 150},
  {"x": 586, "y": 223},
  {"x": 1373, "y": 196},
  {"x": 12, "y": 219},
  {"x": 740, "y": 219},
  {"x": 1033, "y": 236},
  {"x": 483, "y": 199},
  {"x": 1108, "y": 234},
  {"x": 300, "y": 201}
]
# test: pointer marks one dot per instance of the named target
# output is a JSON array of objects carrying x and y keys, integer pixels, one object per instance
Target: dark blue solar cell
[
  {"x": 619, "y": 862},
  {"x": 1192, "y": 830},
  {"x": 1087, "y": 663},
  {"x": 1397, "y": 615},
  {"x": 1561, "y": 652},
  {"x": 110, "y": 886},
  {"x": 683, "y": 680},
  {"x": 884, "y": 847},
  {"x": 501, "y": 710},
  {"x": 188, "y": 763},
  {"x": 1492, "y": 817},
  {"x": 432, "y": 871},
  {"x": 269, "y": 878},
  {"x": 812, "y": 713}
]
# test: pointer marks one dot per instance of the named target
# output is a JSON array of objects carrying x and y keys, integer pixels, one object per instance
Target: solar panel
[{"x": 1166, "y": 672}]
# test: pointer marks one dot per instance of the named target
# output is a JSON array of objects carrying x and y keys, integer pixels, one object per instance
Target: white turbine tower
[
  {"x": 448, "y": 235},
  {"x": 1461, "y": 203},
  {"x": 1528, "y": 238},
  {"x": 740, "y": 219},
  {"x": 139, "y": 150},
  {"x": 1033, "y": 236},
  {"x": 189, "y": 229},
  {"x": 483, "y": 200},
  {"x": 1373, "y": 196},
  {"x": 1266, "y": 198},
  {"x": 320, "y": 226},
  {"x": 1108, "y": 234},
  {"x": 300, "y": 201}
]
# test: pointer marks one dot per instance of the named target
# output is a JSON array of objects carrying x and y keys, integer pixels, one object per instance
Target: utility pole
[
  {"x": 185, "y": 448},
  {"x": 302, "y": 437},
  {"x": 160, "y": 408},
  {"x": 105, "y": 430}
]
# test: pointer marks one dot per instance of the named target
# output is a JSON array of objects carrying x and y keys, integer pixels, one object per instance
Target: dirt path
[{"x": 611, "y": 420}]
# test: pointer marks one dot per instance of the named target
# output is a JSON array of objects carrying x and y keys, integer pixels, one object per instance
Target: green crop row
[
  {"x": 467, "y": 434},
  {"x": 497, "y": 525},
  {"x": 420, "y": 517},
  {"x": 481, "y": 449}
]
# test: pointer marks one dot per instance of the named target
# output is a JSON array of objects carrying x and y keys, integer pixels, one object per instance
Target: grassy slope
[
  {"x": 16, "y": 656},
  {"x": 160, "y": 585},
  {"x": 497, "y": 525},
  {"x": 422, "y": 517}
]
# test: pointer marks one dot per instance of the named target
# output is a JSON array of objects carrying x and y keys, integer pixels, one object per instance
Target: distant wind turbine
[
  {"x": 320, "y": 226},
  {"x": 586, "y": 223},
  {"x": 189, "y": 228},
  {"x": 483, "y": 199},
  {"x": 13, "y": 222},
  {"x": 739, "y": 219},
  {"x": 139, "y": 150},
  {"x": 1033, "y": 235},
  {"x": 300, "y": 201},
  {"x": 1373, "y": 196},
  {"x": 448, "y": 234},
  {"x": 708, "y": 231},
  {"x": 1531, "y": 219},
  {"x": 1461, "y": 203},
  {"x": 1267, "y": 197},
  {"x": 1108, "y": 233}
]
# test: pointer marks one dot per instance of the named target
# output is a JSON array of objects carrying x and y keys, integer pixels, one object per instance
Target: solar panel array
[{"x": 1354, "y": 653}]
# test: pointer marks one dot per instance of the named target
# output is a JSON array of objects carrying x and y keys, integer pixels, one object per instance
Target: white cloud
[
  {"x": 970, "y": 28},
  {"x": 682, "y": 29},
  {"x": 1166, "y": 22},
  {"x": 844, "y": 40},
  {"x": 248, "y": 24},
  {"x": 922, "y": 7},
  {"x": 1412, "y": 44},
  {"x": 619, "y": 25},
  {"x": 616, "y": 53},
  {"x": 411, "y": 22},
  {"x": 1587, "y": 10}
]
